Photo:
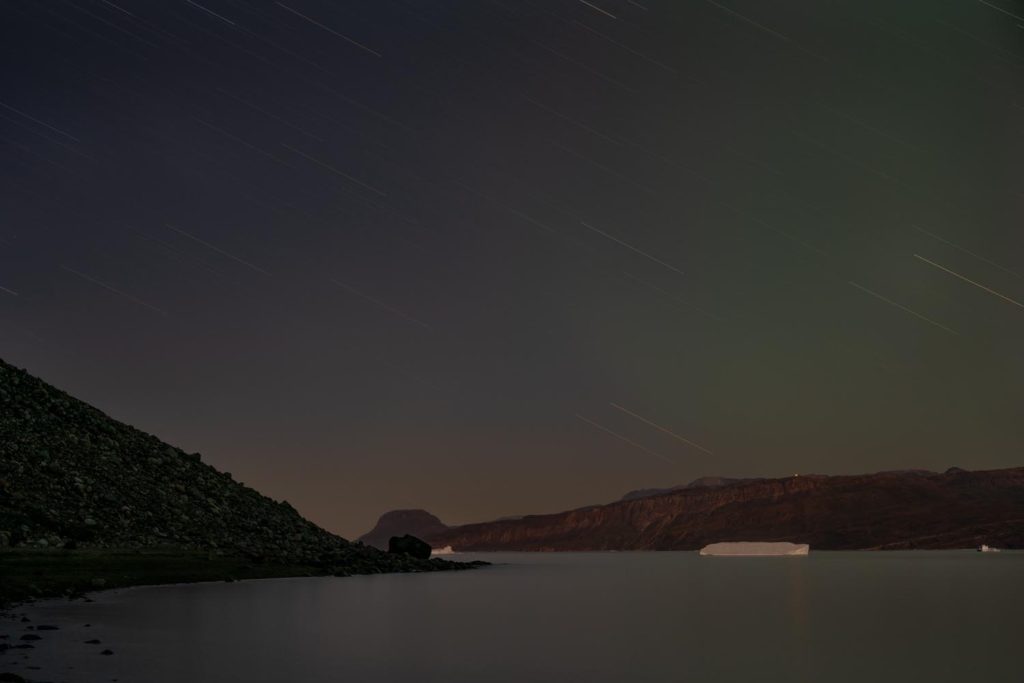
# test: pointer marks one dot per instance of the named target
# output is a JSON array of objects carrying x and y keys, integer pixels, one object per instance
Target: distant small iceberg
[
  {"x": 987, "y": 549},
  {"x": 447, "y": 550},
  {"x": 756, "y": 549}
]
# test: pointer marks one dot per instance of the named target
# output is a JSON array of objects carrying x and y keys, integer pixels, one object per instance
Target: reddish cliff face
[{"x": 891, "y": 510}]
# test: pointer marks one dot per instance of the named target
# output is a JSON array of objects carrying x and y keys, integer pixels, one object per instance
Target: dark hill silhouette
[
  {"x": 418, "y": 523},
  {"x": 72, "y": 477}
]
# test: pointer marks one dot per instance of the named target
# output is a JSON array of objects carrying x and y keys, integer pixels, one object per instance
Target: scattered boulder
[{"x": 409, "y": 545}]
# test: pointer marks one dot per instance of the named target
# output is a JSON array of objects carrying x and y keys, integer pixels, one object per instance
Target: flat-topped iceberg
[{"x": 756, "y": 549}]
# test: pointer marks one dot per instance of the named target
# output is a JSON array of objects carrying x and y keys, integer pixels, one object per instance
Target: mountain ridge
[
  {"x": 696, "y": 483},
  {"x": 954, "y": 509},
  {"x": 898, "y": 509}
]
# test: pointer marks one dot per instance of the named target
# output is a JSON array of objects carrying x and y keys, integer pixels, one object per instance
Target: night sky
[{"x": 496, "y": 257}]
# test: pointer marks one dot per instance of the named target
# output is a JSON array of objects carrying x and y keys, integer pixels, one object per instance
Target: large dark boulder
[{"x": 409, "y": 545}]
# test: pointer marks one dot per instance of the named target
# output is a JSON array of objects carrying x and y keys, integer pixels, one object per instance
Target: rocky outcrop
[
  {"x": 70, "y": 476},
  {"x": 419, "y": 523},
  {"x": 898, "y": 510},
  {"x": 409, "y": 545}
]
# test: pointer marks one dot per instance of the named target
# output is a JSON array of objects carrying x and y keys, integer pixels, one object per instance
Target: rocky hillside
[
  {"x": 70, "y": 476},
  {"x": 955, "y": 509},
  {"x": 419, "y": 523}
]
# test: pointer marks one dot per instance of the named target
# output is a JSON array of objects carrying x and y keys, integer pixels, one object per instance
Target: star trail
[{"x": 489, "y": 257}]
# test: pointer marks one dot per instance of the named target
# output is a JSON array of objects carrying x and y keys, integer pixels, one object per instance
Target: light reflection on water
[{"x": 595, "y": 617}]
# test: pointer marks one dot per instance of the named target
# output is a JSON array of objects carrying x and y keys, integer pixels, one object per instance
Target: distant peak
[
  {"x": 415, "y": 522},
  {"x": 407, "y": 514}
]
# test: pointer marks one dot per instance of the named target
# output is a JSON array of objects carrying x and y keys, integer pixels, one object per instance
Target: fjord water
[{"x": 593, "y": 617}]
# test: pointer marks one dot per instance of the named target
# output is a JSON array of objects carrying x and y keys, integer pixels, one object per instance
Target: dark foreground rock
[
  {"x": 409, "y": 545},
  {"x": 87, "y": 503}
]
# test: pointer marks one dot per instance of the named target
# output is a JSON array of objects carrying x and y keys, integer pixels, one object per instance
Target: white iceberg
[{"x": 755, "y": 549}]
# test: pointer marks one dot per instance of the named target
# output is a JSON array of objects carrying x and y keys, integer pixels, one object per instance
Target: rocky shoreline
[
  {"x": 33, "y": 574},
  {"x": 88, "y": 502},
  {"x": 20, "y": 636},
  {"x": 31, "y": 577}
]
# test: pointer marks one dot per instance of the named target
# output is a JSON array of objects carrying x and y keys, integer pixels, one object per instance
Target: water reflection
[{"x": 593, "y": 617}]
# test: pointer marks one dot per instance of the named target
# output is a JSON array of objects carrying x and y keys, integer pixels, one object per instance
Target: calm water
[{"x": 593, "y": 617}]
